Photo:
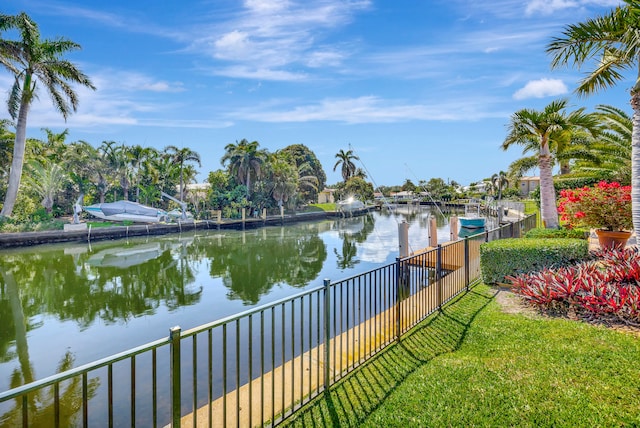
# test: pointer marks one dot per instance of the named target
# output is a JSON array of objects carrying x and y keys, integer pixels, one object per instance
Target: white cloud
[
  {"x": 271, "y": 35},
  {"x": 368, "y": 109},
  {"x": 246, "y": 72},
  {"x": 541, "y": 88},
  {"x": 548, "y": 7}
]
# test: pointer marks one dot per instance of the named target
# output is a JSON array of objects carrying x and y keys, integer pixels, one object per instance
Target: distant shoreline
[{"x": 27, "y": 239}]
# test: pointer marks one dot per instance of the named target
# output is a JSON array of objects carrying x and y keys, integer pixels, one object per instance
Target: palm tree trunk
[
  {"x": 248, "y": 183},
  {"x": 635, "y": 161},
  {"x": 181, "y": 183},
  {"x": 18, "y": 160},
  {"x": 548, "y": 208}
]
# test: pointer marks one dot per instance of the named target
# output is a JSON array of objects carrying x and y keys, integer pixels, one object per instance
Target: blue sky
[{"x": 418, "y": 89}]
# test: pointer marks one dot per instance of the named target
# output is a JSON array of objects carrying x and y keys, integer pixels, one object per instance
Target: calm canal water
[{"x": 67, "y": 305}]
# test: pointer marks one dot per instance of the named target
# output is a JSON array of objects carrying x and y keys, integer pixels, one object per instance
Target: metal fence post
[
  {"x": 466, "y": 262},
  {"x": 398, "y": 299},
  {"x": 174, "y": 347},
  {"x": 439, "y": 276},
  {"x": 327, "y": 334}
]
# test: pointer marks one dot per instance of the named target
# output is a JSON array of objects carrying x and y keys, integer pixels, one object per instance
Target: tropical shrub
[
  {"x": 510, "y": 257},
  {"x": 606, "y": 289},
  {"x": 541, "y": 232},
  {"x": 604, "y": 206}
]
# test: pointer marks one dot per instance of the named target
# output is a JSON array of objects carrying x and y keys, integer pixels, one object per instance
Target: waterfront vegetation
[
  {"x": 471, "y": 364},
  {"x": 586, "y": 146},
  {"x": 477, "y": 363}
]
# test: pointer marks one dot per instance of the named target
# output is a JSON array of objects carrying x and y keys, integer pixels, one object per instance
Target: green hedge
[
  {"x": 517, "y": 256},
  {"x": 541, "y": 232}
]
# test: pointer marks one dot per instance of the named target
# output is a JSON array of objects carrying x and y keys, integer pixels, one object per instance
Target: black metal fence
[{"x": 260, "y": 366}]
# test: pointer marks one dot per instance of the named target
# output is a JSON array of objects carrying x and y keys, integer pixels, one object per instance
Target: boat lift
[{"x": 183, "y": 205}]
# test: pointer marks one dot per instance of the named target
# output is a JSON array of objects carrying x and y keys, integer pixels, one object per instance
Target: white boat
[
  {"x": 472, "y": 218},
  {"x": 349, "y": 205},
  {"x": 126, "y": 211},
  {"x": 177, "y": 214}
]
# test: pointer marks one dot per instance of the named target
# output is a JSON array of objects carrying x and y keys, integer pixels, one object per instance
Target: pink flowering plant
[{"x": 604, "y": 206}]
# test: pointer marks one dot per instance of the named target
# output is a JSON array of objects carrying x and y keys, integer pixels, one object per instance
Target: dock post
[
  {"x": 403, "y": 239},
  {"x": 327, "y": 334},
  {"x": 433, "y": 232},
  {"x": 174, "y": 378},
  {"x": 453, "y": 228}
]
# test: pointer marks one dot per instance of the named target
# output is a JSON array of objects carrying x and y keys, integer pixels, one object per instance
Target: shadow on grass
[{"x": 353, "y": 398}]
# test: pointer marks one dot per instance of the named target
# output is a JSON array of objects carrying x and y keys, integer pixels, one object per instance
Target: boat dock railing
[{"x": 258, "y": 367}]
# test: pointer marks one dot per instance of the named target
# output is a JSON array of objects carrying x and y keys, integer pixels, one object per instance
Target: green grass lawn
[
  {"x": 323, "y": 207},
  {"x": 475, "y": 365}
]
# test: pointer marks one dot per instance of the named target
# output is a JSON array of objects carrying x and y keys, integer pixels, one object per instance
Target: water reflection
[
  {"x": 352, "y": 231},
  {"x": 251, "y": 263},
  {"x": 89, "y": 301},
  {"x": 41, "y": 404}
]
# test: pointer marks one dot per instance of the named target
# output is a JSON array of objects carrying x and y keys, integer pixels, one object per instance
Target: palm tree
[
  {"x": 611, "y": 44},
  {"x": 180, "y": 156},
  {"x": 500, "y": 181},
  {"x": 32, "y": 60},
  {"x": 283, "y": 178},
  {"x": 544, "y": 128},
  {"x": 82, "y": 161},
  {"x": 346, "y": 160},
  {"x": 244, "y": 159},
  {"x": 46, "y": 180},
  {"x": 615, "y": 144},
  {"x": 119, "y": 160}
]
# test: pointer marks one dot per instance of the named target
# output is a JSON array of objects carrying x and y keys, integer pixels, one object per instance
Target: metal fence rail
[{"x": 257, "y": 367}]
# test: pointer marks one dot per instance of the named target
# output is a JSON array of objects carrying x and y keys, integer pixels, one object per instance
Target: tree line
[{"x": 601, "y": 144}]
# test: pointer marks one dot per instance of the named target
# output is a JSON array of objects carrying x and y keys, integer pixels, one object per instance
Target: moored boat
[
  {"x": 472, "y": 218},
  {"x": 349, "y": 205},
  {"x": 126, "y": 211}
]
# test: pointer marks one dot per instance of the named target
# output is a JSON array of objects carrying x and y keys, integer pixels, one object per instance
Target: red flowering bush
[
  {"x": 607, "y": 289},
  {"x": 604, "y": 206}
]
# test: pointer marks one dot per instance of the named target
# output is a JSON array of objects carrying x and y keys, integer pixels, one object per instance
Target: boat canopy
[{"x": 127, "y": 207}]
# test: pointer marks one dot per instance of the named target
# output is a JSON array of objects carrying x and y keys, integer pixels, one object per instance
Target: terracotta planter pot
[{"x": 612, "y": 240}]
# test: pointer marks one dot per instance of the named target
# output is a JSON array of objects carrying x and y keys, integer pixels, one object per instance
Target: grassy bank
[{"x": 475, "y": 365}]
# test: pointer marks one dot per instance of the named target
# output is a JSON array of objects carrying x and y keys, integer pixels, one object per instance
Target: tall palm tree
[
  {"x": 32, "y": 60},
  {"x": 104, "y": 171},
  {"x": 82, "y": 161},
  {"x": 346, "y": 160},
  {"x": 118, "y": 158},
  {"x": 244, "y": 159},
  {"x": 180, "y": 156},
  {"x": 544, "y": 128},
  {"x": 610, "y": 44},
  {"x": 500, "y": 181}
]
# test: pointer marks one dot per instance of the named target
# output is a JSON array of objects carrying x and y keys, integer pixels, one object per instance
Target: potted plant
[{"x": 606, "y": 207}]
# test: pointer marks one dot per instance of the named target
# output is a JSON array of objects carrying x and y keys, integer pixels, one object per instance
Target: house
[
  {"x": 326, "y": 196},
  {"x": 403, "y": 195},
  {"x": 526, "y": 185}
]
